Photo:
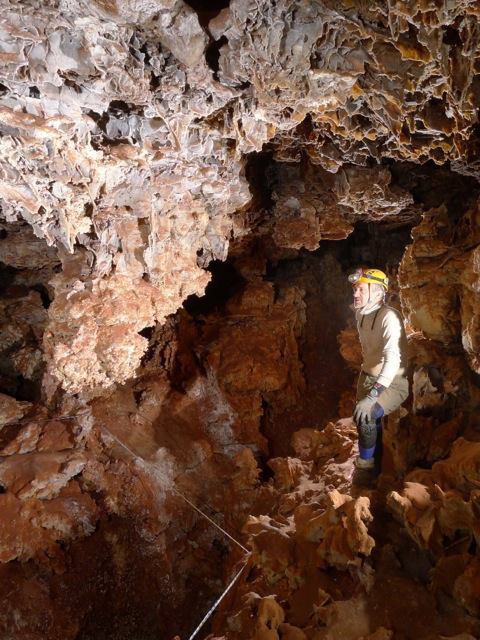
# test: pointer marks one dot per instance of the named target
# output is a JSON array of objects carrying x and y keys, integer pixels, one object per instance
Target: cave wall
[
  {"x": 145, "y": 143},
  {"x": 126, "y": 127}
]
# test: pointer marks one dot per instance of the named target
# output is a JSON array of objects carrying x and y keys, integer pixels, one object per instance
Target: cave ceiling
[
  {"x": 176, "y": 343},
  {"x": 127, "y": 127}
]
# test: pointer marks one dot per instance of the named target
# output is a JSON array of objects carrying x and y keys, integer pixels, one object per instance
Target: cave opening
[
  {"x": 225, "y": 282},
  {"x": 320, "y": 277},
  {"x": 206, "y": 10},
  {"x": 212, "y": 55}
]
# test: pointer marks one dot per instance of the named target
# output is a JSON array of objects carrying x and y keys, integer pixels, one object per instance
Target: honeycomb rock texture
[
  {"x": 440, "y": 279},
  {"x": 184, "y": 187},
  {"x": 126, "y": 128}
]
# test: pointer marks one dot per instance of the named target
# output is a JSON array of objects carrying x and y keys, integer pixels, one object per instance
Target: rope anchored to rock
[{"x": 204, "y": 515}]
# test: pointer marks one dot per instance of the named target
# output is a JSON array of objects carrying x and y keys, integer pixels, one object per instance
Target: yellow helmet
[{"x": 370, "y": 276}]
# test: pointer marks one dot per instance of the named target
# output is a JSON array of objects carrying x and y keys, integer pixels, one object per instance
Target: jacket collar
[{"x": 366, "y": 311}]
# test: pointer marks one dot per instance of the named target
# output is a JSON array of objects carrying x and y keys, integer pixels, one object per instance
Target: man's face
[{"x": 360, "y": 295}]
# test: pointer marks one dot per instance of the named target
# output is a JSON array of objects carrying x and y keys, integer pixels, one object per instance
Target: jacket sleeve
[{"x": 391, "y": 335}]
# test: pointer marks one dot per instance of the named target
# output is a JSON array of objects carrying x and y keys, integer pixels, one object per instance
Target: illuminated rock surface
[{"x": 237, "y": 159}]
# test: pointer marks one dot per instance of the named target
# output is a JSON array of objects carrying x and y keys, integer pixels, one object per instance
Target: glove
[{"x": 363, "y": 409}]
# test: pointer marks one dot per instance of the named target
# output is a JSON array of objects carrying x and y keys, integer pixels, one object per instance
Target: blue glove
[{"x": 363, "y": 409}]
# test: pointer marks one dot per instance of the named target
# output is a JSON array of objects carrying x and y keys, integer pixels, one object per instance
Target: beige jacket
[{"x": 384, "y": 343}]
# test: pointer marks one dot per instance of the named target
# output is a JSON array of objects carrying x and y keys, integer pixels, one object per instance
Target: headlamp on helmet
[{"x": 370, "y": 276}]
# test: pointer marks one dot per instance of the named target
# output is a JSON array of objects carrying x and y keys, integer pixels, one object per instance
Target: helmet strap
[{"x": 370, "y": 306}]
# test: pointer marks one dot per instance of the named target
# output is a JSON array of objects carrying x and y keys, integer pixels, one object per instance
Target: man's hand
[{"x": 363, "y": 410}]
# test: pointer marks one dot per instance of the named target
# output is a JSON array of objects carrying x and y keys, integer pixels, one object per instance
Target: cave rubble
[{"x": 184, "y": 187}]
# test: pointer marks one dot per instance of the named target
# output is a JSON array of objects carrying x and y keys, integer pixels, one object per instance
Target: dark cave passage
[
  {"x": 225, "y": 282},
  {"x": 322, "y": 274},
  {"x": 207, "y": 9},
  {"x": 321, "y": 277},
  {"x": 25, "y": 299}
]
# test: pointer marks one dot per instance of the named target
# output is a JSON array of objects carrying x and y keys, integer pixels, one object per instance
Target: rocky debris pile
[
  {"x": 439, "y": 508},
  {"x": 89, "y": 533},
  {"x": 329, "y": 563}
]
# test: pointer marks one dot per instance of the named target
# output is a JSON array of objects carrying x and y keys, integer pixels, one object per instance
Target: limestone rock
[
  {"x": 92, "y": 339},
  {"x": 334, "y": 442},
  {"x": 367, "y": 115},
  {"x": 439, "y": 506},
  {"x": 268, "y": 615},
  {"x": 141, "y": 142},
  {"x": 350, "y": 348},
  {"x": 87, "y": 191},
  {"x": 307, "y": 209},
  {"x": 11, "y": 410},
  {"x": 341, "y": 530},
  {"x": 438, "y": 270},
  {"x": 129, "y": 139},
  {"x": 311, "y": 204},
  {"x": 467, "y": 588},
  {"x": 453, "y": 576},
  {"x": 254, "y": 355},
  {"x": 20, "y": 248},
  {"x": 31, "y": 525}
]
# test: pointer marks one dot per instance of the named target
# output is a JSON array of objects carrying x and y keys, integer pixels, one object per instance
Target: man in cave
[{"x": 383, "y": 385}]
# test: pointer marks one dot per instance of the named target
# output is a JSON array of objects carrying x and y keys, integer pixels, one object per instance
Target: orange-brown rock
[
  {"x": 11, "y": 410},
  {"x": 128, "y": 143},
  {"x": 312, "y": 204},
  {"x": 92, "y": 339},
  {"x": 341, "y": 530},
  {"x": 439, "y": 508},
  {"x": 77, "y": 506},
  {"x": 151, "y": 148},
  {"x": 252, "y": 353},
  {"x": 307, "y": 208},
  {"x": 350, "y": 348},
  {"x": 439, "y": 279}
]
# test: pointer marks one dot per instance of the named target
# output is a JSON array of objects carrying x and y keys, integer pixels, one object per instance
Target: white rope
[
  {"x": 175, "y": 490},
  {"x": 204, "y": 515},
  {"x": 189, "y": 502},
  {"x": 217, "y": 602},
  {"x": 212, "y": 521}
]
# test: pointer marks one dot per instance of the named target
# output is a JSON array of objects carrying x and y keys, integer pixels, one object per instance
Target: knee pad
[{"x": 367, "y": 434}]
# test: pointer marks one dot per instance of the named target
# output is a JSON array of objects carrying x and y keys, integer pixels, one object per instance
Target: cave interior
[{"x": 185, "y": 186}]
